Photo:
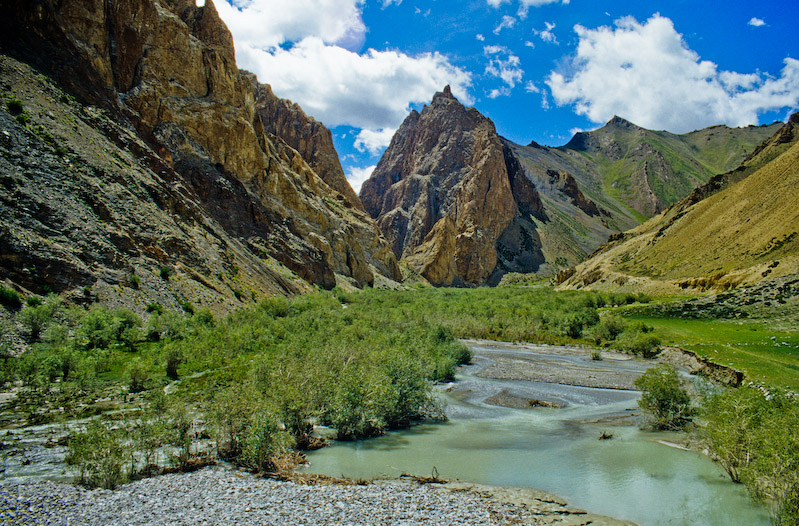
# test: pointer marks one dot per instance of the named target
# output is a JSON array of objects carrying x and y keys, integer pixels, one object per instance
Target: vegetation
[
  {"x": 10, "y": 298},
  {"x": 753, "y": 432},
  {"x": 664, "y": 398}
]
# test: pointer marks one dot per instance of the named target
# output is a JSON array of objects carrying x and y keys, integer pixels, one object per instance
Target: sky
[{"x": 542, "y": 70}]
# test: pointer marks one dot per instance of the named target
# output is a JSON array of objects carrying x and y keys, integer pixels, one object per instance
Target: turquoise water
[{"x": 632, "y": 476}]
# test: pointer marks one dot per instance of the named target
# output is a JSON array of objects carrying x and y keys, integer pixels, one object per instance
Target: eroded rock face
[
  {"x": 309, "y": 137},
  {"x": 166, "y": 73},
  {"x": 442, "y": 194}
]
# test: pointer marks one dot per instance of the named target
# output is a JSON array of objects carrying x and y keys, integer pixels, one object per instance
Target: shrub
[
  {"x": 608, "y": 329},
  {"x": 38, "y": 317},
  {"x": 164, "y": 273},
  {"x": 138, "y": 377},
  {"x": 664, "y": 398},
  {"x": 14, "y": 106},
  {"x": 100, "y": 455},
  {"x": 10, "y": 298},
  {"x": 134, "y": 281},
  {"x": 154, "y": 308},
  {"x": 646, "y": 345},
  {"x": 173, "y": 360}
]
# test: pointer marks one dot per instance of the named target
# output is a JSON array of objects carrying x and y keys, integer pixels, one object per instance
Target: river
[{"x": 635, "y": 475}]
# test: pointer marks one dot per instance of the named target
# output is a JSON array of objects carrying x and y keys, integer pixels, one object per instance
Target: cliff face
[
  {"x": 309, "y": 137},
  {"x": 162, "y": 77},
  {"x": 442, "y": 195}
]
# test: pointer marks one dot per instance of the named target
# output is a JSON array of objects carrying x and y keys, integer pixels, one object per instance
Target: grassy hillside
[
  {"x": 740, "y": 233},
  {"x": 650, "y": 170}
]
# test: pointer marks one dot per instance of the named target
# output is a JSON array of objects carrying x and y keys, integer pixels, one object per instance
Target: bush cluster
[{"x": 755, "y": 435}]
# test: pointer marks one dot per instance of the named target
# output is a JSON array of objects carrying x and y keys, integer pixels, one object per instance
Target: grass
[{"x": 761, "y": 353}]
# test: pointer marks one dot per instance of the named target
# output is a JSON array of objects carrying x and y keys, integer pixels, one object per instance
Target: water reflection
[{"x": 631, "y": 476}]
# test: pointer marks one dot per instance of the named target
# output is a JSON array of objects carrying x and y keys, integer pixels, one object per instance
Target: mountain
[
  {"x": 739, "y": 228},
  {"x": 131, "y": 143},
  {"x": 440, "y": 191},
  {"x": 650, "y": 170}
]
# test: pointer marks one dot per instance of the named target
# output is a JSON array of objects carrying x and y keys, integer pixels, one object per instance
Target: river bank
[{"x": 221, "y": 495}]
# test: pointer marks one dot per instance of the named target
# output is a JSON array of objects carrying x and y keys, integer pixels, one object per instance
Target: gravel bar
[{"x": 221, "y": 495}]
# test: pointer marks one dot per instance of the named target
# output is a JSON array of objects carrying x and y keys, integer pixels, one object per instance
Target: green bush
[
  {"x": 37, "y": 318},
  {"x": 10, "y": 298},
  {"x": 101, "y": 456},
  {"x": 164, "y": 273},
  {"x": 663, "y": 397},
  {"x": 755, "y": 436},
  {"x": 134, "y": 281},
  {"x": 14, "y": 106}
]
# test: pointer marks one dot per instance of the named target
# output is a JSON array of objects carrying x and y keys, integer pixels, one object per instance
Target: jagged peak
[
  {"x": 794, "y": 118},
  {"x": 620, "y": 122},
  {"x": 444, "y": 95}
]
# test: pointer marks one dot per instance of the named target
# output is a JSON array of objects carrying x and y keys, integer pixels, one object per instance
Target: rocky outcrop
[
  {"x": 164, "y": 75},
  {"x": 566, "y": 184},
  {"x": 309, "y": 137},
  {"x": 443, "y": 184}
]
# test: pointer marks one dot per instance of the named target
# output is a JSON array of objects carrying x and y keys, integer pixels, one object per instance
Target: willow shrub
[{"x": 755, "y": 436}]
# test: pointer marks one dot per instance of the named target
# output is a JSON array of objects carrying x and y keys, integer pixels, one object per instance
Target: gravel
[{"x": 219, "y": 495}]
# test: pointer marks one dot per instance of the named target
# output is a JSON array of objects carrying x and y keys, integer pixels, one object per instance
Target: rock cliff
[
  {"x": 442, "y": 195},
  {"x": 189, "y": 138}
]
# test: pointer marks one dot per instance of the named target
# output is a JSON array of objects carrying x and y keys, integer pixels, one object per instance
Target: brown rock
[
  {"x": 446, "y": 161},
  {"x": 165, "y": 71},
  {"x": 310, "y": 138}
]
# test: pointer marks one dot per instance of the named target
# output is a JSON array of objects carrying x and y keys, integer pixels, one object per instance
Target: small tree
[{"x": 664, "y": 397}]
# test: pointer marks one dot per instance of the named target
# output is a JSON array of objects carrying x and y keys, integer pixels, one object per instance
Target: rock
[
  {"x": 445, "y": 162},
  {"x": 195, "y": 163}
]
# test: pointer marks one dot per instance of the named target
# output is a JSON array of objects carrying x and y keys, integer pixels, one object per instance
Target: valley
[{"x": 193, "y": 296}]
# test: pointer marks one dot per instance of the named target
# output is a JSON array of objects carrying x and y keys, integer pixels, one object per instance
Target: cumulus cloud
[
  {"x": 357, "y": 176},
  {"x": 525, "y": 5},
  {"x": 373, "y": 141},
  {"x": 648, "y": 74},
  {"x": 480, "y": 37},
  {"x": 757, "y": 22},
  {"x": 507, "y": 23},
  {"x": 504, "y": 65},
  {"x": 371, "y": 90},
  {"x": 306, "y": 49},
  {"x": 267, "y": 24},
  {"x": 546, "y": 34}
]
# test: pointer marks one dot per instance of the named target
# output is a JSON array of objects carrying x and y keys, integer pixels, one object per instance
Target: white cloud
[
  {"x": 304, "y": 49},
  {"x": 498, "y": 92},
  {"x": 757, "y": 22},
  {"x": 525, "y": 5},
  {"x": 530, "y": 87},
  {"x": 480, "y": 37},
  {"x": 357, "y": 176},
  {"x": 373, "y": 141},
  {"x": 647, "y": 73},
  {"x": 267, "y": 24},
  {"x": 504, "y": 65},
  {"x": 546, "y": 34},
  {"x": 387, "y": 3},
  {"x": 507, "y": 23},
  {"x": 372, "y": 90},
  {"x": 529, "y": 44}
]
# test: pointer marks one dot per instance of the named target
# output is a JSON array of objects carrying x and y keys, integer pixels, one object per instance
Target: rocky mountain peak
[
  {"x": 444, "y": 164},
  {"x": 619, "y": 122},
  {"x": 444, "y": 95}
]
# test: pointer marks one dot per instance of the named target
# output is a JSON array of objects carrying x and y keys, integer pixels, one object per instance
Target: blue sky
[{"x": 540, "y": 69}]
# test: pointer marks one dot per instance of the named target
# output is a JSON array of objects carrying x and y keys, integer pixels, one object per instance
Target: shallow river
[{"x": 633, "y": 476}]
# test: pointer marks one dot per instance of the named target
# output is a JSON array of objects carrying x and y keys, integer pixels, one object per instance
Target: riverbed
[{"x": 532, "y": 416}]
